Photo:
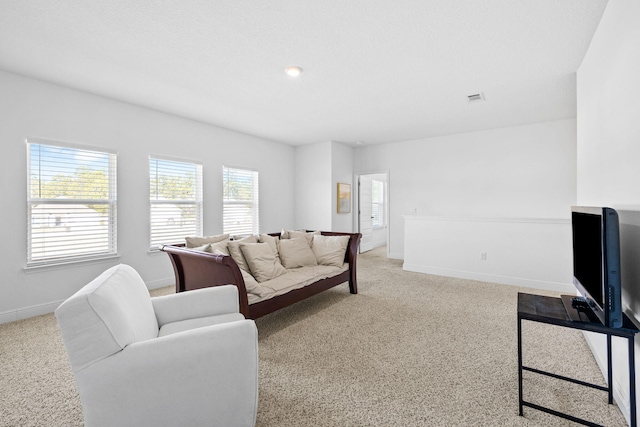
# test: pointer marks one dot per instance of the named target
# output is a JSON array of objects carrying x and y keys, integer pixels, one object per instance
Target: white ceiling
[{"x": 374, "y": 70}]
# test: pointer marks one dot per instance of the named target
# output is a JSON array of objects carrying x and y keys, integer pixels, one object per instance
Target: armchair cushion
[
  {"x": 203, "y": 302},
  {"x": 112, "y": 311},
  {"x": 198, "y": 322}
]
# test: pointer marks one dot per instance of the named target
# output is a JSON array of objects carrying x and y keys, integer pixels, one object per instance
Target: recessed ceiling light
[{"x": 293, "y": 71}]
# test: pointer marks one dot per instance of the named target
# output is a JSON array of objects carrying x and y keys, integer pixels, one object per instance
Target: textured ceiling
[{"x": 374, "y": 70}]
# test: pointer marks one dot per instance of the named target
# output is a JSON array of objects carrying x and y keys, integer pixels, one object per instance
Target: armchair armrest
[
  {"x": 205, "y": 374},
  {"x": 197, "y": 303}
]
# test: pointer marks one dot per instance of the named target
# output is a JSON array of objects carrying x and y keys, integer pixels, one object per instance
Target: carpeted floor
[{"x": 409, "y": 350}]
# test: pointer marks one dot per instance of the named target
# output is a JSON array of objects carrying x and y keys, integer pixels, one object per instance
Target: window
[
  {"x": 378, "y": 204},
  {"x": 240, "y": 199},
  {"x": 71, "y": 203},
  {"x": 175, "y": 190}
]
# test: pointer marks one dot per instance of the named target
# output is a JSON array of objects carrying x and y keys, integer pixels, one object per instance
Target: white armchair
[{"x": 188, "y": 359}]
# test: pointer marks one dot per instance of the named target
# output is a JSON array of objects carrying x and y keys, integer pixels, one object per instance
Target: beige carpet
[{"x": 409, "y": 350}]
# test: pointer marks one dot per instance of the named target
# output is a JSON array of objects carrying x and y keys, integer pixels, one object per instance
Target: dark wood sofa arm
[{"x": 195, "y": 270}]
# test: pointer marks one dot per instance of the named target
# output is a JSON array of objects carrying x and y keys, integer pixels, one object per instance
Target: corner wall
[
  {"x": 342, "y": 171},
  {"x": 608, "y": 154},
  {"x": 319, "y": 168},
  {"x": 313, "y": 186}
]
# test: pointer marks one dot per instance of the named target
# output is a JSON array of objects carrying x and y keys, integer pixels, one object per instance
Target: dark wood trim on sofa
[{"x": 195, "y": 270}]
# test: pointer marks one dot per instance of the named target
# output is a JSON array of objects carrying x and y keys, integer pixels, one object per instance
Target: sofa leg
[{"x": 353, "y": 286}]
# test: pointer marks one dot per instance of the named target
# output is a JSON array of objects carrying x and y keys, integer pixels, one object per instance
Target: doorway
[{"x": 373, "y": 210}]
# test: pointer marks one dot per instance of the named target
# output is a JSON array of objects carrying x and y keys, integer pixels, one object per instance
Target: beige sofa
[{"x": 272, "y": 270}]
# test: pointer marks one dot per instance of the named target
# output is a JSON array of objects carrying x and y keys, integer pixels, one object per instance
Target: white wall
[
  {"x": 341, "y": 171},
  {"x": 534, "y": 253},
  {"x": 319, "y": 168},
  {"x": 609, "y": 153},
  {"x": 313, "y": 186},
  {"x": 33, "y": 108},
  {"x": 517, "y": 172}
]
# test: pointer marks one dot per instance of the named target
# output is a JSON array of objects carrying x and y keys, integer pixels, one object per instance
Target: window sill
[{"x": 69, "y": 263}]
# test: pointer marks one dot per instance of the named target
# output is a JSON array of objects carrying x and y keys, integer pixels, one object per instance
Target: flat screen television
[{"x": 596, "y": 263}]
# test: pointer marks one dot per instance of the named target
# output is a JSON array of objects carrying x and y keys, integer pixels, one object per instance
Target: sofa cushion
[
  {"x": 330, "y": 250},
  {"x": 262, "y": 261},
  {"x": 195, "y": 241},
  {"x": 296, "y": 253},
  {"x": 236, "y": 253},
  {"x": 294, "y": 279}
]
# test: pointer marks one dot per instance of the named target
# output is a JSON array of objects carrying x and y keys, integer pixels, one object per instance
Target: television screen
[
  {"x": 587, "y": 255},
  {"x": 596, "y": 262}
]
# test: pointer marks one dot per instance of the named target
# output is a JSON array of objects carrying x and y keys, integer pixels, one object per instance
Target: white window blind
[
  {"x": 176, "y": 201},
  {"x": 71, "y": 203},
  {"x": 240, "y": 200},
  {"x": 378, "y": 204}
]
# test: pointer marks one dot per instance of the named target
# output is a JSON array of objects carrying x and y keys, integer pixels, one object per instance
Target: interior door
[{"x": 365, "y": 213}]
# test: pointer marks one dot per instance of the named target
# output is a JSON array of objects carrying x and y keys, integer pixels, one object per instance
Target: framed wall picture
[{"x": 344, "y": 198}]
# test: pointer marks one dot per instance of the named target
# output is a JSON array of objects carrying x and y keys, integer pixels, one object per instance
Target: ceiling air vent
[{"x": 476, "y": 97}]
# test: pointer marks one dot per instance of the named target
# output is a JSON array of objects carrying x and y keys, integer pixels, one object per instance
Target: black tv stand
[{"x": 551, "y": 310}]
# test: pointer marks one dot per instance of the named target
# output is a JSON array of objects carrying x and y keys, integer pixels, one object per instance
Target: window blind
[
  {"x": 175, "y": 201},
  {"x": 240, "y": 201},
  {"x": 71, "y": 203}
]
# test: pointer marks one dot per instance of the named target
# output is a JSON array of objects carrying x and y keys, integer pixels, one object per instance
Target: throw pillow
[
  {"x": 296, "y": 253},
  {"x": 250, "y": 283},
  {"x": 233, "y": 246},
  {"x": 203, "y": 248},
  {"x": 222, "y": 247},
  {"x": 307, "y": 234},
  {"x": 194, "y": 241},
  {"x": 262, "y": 261},
  {"x": 285, "y": 233},
  {"x": 272, "y": 241},
  {"x": 330, "y": 250}
]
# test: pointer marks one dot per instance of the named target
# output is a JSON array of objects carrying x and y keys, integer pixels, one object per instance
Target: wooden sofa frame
[{"x": 195, "y": 270}]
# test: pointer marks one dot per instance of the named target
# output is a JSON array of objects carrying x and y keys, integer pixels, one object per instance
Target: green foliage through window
[{"x": 71, "y": 203}]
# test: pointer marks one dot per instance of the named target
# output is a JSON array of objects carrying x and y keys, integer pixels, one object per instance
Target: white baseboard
[
  {"x": 505, "y": 280},
  {"x": 26, "y": 312},
  {"x": 50, "y": 307},
  {"x": 8, "y": 316},
  {"x": 395, "y": 255}
]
